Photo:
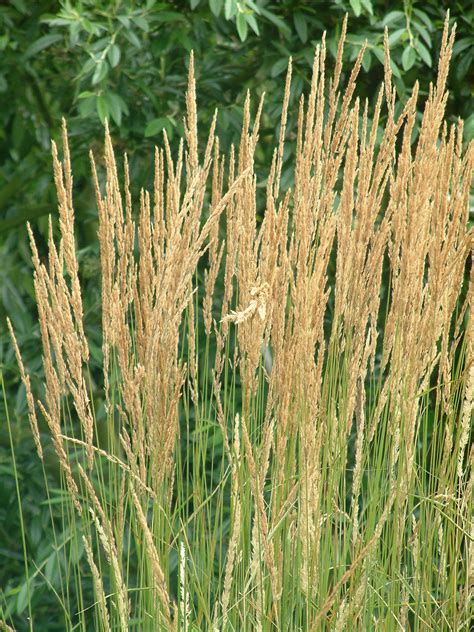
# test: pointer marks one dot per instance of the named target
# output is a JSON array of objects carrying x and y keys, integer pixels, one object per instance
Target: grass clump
[{"x": 285, "y": 438}]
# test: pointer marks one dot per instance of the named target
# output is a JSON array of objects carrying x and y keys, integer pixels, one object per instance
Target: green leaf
[
  {"x": 42, "y": 43},
  {"x": 102, "y": 108},
  {"x": 125, "y": 20},
  {"x": 301, "y": 26},
  {"x": 86, "y": 106},
  {"x": 408, "y": 58},
  {"x": 114, "y": 55},
  {"x": 215, "y": 6},
  {"x": 469, "y": 128},
  {"x": 100, "y": 72},
  {"x": 74, "y": 32},
  {"x": 88, "y": 67},
  {"x": 393, "y": 16},
  {"x": 51, "y": 569},
  {"x": 157, "y": 125},
  {"x": 424, "y": 53},
  {"x": 86, "y": 94},
  {"x": 394, "y": 37},
  {"x": 424, "y": 18},
  {"x": 356, "y": 7},
  {"x": 230, "y": 9},
  {"x": 115, "y": 105},
  {"x": 255, "y": 8},
  {"x": 133, "y": 38},
  {"x": 91, "y": 28},
  {"x": 367, "y": 4},
  {"x": 278, "y": 67},
  {"x": 462, "y": 45},
  {"x": 278, "y": 22},
  {"x": 22, "y": 599},
  {"x": 242, "y": 27},
  {"x": 462, "y": 66},
  {"x": 252, "y": 22},
  {"x": 142, "y": 23},
  {"x": 194, "y": 3},
  {"x": 4, "y": 39},
  {"x": 35, "y": 532},
  {"x": 19, "y": 6},
  {"x": 282, "y": 49},
  {"x": 395, "y": 69},
  {"x": 367, "y": 60},
  {"x": 423, "y": 32},
  {"x": 57, "y": 21}
]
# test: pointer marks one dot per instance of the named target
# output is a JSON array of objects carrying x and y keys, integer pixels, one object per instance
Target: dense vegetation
[{"x": 128, "y": 62}]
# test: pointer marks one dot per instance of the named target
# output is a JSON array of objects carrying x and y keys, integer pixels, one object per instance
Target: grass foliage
[{"x": 284, "y": 438}]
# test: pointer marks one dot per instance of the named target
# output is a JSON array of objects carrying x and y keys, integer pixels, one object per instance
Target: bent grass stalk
[{"x": 325, "y": 483}]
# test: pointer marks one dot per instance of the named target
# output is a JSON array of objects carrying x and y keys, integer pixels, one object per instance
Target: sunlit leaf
[
  {"x": 215, "y": 6},
  {"x": 230, "y": 9},
  {"x": 242, "y": 26},
  {"x": 252, "y": 22}
]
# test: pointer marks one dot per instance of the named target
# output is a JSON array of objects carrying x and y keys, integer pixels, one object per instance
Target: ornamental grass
[{"x": 283, "y": 441}]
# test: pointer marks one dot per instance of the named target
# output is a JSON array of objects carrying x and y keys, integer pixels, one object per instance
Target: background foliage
[{"x": 126, "y": 60}]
